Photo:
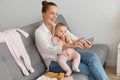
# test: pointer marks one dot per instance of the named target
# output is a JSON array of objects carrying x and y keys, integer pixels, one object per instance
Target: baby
[{"x": 60, "y": 38}]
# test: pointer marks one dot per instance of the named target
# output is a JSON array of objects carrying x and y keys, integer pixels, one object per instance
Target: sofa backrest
[{"x": 9, "y": 70}]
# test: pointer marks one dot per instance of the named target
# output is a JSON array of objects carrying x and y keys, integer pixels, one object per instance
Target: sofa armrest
[{"x": 102, "y": 50}]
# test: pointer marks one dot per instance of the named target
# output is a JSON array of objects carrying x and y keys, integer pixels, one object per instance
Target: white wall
[
  {"x": 98, "y": 18},
  {"x": 17, "y": 13}
]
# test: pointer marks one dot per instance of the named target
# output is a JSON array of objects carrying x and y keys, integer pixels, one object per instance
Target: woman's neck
[{"x": 50, "y": 27}]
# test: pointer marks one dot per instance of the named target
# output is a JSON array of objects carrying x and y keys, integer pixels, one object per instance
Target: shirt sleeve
[{"x": 44, "y": 44}]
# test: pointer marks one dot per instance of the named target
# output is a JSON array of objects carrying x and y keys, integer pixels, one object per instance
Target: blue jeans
[{"x": 90, "y": 65}]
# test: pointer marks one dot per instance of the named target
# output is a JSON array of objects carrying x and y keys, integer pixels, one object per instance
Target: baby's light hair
[{"x": 60, "y": 24}]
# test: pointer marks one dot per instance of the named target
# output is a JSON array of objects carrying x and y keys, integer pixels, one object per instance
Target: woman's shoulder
[{"x": 40, "y": 28}]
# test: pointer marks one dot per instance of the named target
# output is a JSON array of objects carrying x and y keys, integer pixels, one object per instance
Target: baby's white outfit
[{"x": 14, "y": 42}]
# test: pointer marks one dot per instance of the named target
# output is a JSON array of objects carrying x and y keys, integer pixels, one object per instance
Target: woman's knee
[
  {"x": 92, "y": 55},
  {"x": 93, "y": 59}
]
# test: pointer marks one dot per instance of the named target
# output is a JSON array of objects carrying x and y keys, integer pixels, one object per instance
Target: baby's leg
[
  {"x": 76, "y": 61},
  {"x": 62, "y": 61}
]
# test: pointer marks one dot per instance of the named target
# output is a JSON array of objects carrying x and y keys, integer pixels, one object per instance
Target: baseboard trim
[{"x": 111, "y": 63}]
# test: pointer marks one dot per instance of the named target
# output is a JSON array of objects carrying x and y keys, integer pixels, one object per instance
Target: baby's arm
[{"x": 68, "y": 39}]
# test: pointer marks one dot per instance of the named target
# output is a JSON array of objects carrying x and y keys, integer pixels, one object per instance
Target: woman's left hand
[{"x": 87, "y": 45}]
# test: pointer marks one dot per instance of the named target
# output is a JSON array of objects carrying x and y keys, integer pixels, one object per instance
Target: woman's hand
[
  {"x": 81, "y": 43},
  {"x": 87, "y": 44},
  {"x": 78, "y": 43}
]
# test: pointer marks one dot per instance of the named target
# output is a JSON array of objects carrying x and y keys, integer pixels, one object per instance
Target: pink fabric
[
  {"x": 14, "y": 42},
  {"x": 68, "y": 78},
  {"x": 67, "y": 55}
]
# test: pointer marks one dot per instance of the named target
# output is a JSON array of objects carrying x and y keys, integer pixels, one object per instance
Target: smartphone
[{"x": 90, "y": 39}]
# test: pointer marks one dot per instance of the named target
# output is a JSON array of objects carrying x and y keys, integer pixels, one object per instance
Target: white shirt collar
[
  {"x": 44, "y": 26},
  {"x": 46, "y": 29}
]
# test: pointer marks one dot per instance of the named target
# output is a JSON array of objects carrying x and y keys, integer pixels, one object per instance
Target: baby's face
[{"x": 61, "y": 31}]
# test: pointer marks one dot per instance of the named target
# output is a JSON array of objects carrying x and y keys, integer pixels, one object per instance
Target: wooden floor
[{"x": 111, "y": 72}]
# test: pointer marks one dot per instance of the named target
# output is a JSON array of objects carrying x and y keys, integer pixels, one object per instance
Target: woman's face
[
  {"x": 61, "y": 31},
  {"x": 50, "y": 15}
]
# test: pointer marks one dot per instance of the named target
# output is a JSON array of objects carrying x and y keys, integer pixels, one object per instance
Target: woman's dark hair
[{"x": 46, "y": 5}]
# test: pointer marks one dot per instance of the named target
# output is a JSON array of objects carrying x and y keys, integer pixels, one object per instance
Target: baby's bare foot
[
  {"x": 76, "y": 69},
  {"x": 32, "y": 70},
  {"x": 25, "y": 72},
  {"x": 68, "y": 73}
]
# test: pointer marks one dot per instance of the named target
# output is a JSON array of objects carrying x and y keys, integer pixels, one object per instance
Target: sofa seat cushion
[{"x": 80, "y": 77}]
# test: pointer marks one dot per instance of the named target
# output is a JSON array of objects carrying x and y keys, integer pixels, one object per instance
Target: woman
[{"x": 90, "y": 64}]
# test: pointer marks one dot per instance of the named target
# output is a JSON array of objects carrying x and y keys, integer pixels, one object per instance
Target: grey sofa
[{"x": 9, "y": 70}]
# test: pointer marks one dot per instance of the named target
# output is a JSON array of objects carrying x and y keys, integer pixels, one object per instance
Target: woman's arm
[
  {"x": 77, "y": 43},
  {"x": 74, "y": 44}
]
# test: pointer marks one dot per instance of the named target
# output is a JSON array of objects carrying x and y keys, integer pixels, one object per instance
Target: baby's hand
[
  {"x": 63, "y": 38},
  {"x": 68, "y": 40}
]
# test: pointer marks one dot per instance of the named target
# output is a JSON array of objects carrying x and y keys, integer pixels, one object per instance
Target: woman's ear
[{"x": 43, "y": 13}]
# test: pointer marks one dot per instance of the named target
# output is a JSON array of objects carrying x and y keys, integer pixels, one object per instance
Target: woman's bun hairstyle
[{"x": 44, "y": 3}]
